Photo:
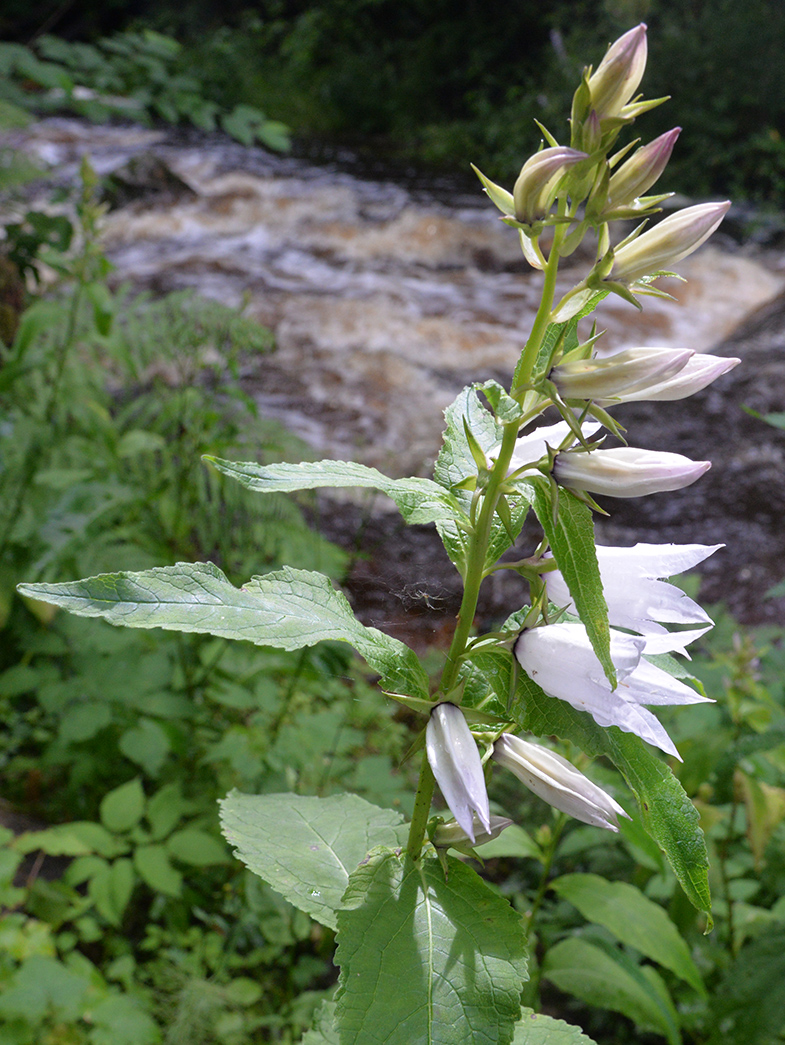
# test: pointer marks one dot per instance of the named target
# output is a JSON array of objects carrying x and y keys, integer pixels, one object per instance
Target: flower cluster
[{"x": 570, "y": 191}]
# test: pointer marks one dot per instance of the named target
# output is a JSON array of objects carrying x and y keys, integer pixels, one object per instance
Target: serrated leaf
[
  {"x": 306, "y": 847},
  {"x": 506, "y": 409},
  {"x": 666, "y": 811},
  {"x": 418, "y": 500},
  {"x": 633, "y": 919},
  {"x": 571, "y": 537},
  {"x": 604, "y": 976},
  {"x": 426, "y": 957},
  {"x": 288, "y": 609},
  {"x": 534, "y": 1028},
  {"x": 122, "y": 808}
]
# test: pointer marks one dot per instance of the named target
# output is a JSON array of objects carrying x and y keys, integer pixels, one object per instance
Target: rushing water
[{"x": 385, "y": 300}]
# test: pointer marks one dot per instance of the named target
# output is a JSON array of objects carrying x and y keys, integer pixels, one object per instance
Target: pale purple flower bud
[
  {"x": 557, "y": 781},
  {"x": 537, "y": 184},
  {"x": 669, "y": 241},
  {"x": 698, "y": 372},
  {"x": 641, "y": 170},
  {"x": 619, "y": 73},
  {"x": 637, "y": 596},
  {"x": 560, "y": 659},
  {"x": 631, "y": 370},
  {"x": 626, "y": 471},
  {"x": 452, "y": 835},
  {"x": 455, "y": 761}
]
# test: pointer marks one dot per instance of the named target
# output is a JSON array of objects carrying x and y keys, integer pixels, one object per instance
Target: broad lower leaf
[
  {"x": 667, "y": 813},
  {"x": 418, "y": 500},
  {"x": 604, "y": 976},
  {"x": 306, "y": 847},
  {"x": 287, "y": 608},
  {"x": 571, "y": 537},
  {"x": 633, "y": 919},
  {"x": 534, "y": 1028},
  {"x": 426, "y": 957},
  {"x": 122, "y": 808}
]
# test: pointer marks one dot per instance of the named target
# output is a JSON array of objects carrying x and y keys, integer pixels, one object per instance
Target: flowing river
[{"x": 385, "y": 299}]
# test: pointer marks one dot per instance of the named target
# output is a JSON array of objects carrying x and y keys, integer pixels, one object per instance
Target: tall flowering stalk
[{"x": 574, "y": 662}]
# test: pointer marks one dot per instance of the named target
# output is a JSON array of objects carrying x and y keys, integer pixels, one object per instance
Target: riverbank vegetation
[{"x": 125, "y": 918}]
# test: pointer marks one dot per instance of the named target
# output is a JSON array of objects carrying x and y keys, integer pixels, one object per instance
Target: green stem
[
  {"x": 543, "y": 317},
  {"x": 550, "y": 853},
  {"x": 422, "y": 808}
]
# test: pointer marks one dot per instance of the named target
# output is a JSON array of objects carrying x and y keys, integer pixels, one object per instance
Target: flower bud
[
  {"x": 455, "y": 761},
  {"x": 607, "y": 379},
  {"x": 539, "y": 180},
  {"x": 698, "y": 372},
  {"x": 669, "y": 241},
  {"x": 641, "y": 171},
  {"x": 626, "y": 471},
  {"x": 619, "y": 73},
  {"x": 452, "y": 835},
  {"x": 557, "y": 781}
]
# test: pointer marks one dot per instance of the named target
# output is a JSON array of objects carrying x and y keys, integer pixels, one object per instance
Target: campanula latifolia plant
[{"x": 428, "y": 951}]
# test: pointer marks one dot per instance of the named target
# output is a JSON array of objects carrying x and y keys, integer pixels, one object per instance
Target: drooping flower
[
  {"x": 626, "y": 471},
  {"x": 557, "y": 781},
  {"x": 669, "y": 241},
  {"x": 455, "y": 761},
  {"x": 637, "y": 596},
  {"x": 560, "y": 659}
]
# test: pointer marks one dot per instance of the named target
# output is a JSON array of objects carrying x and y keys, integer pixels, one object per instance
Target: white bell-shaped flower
[
  {"x": 626, "y": 471},
  {"x": 455, "y": 761},
  {"x": 557, "y": 781}
]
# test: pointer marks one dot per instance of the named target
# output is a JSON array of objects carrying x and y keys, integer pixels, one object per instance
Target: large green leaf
[
  {"x": 287, "y": 608},
  {"x": 426, "y": 957},
  {"x": 602, "y": 975},
  {"x": 418, "y": 500},
  {"x": 667, "y": 813},
  {"x": 633, "y": 919},
  {"x": 306, "y": 847},
  {"x": 571, "y": 537},
  {"x": 534, "y": 1028}
]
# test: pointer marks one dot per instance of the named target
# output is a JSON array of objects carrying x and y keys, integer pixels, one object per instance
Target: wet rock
[{"x": 144, "y": 177}]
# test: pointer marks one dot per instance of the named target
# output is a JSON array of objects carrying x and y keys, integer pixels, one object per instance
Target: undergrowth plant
[
  {"x": 141, "y": 76},
  {"x": 428, "y": 949}
]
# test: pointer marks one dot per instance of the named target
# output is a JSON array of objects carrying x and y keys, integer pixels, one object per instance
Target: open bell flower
[
  {"x": 619, "y": 74},
  {"x": 669, "y": 241},
  {"x": 626, "y": 471},
  {"x": 637, "y": 596},
  {"x": 557, "y": 781},
  {"x": 455, "y": 761},
  {"x": 560, "y": 659}
]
